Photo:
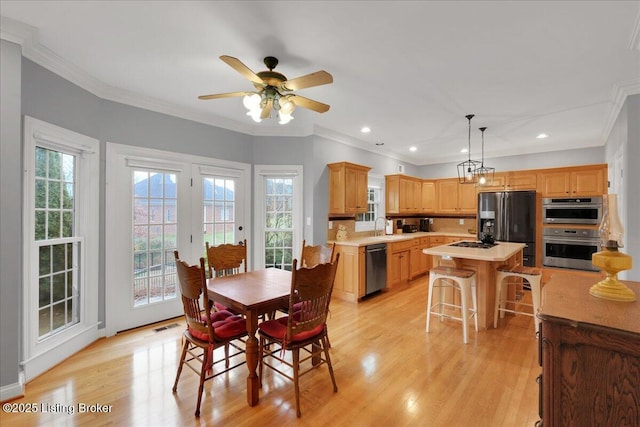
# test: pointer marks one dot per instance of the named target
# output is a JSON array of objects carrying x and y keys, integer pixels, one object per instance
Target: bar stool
[
  {"x": 456, "y": 278},
  {"x": 533, "y": 276}
]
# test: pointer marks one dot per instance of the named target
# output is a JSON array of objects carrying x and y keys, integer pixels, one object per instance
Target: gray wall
[
  {"x": 625, "y": 136},
  {"x": 10, "y": 213},
  {"x": 583, "y": 156}
]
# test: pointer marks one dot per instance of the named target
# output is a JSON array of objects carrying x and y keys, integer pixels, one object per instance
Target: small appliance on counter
[
  {"x": 388, "y": 229},
  {"x": 425, "y": 224},
  {"x": 409, "y": 228}
]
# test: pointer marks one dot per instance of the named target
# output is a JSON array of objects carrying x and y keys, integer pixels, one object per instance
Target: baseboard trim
[{"x": 12, "y": 391}]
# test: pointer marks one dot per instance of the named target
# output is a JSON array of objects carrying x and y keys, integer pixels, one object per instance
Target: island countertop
[{"x": 501, "y": 252}]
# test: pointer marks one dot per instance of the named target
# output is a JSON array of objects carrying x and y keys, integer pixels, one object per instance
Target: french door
[{"x": 157, "y": 203}]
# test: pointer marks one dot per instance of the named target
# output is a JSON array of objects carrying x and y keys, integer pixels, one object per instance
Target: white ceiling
[{"x": 409, "y": 70}]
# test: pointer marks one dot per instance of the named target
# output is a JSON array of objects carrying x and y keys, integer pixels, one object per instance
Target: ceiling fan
[{"x": 274, "y": 90}]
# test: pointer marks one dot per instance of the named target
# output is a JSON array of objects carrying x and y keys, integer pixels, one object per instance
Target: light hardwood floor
[{"x": 389, "y": 371}]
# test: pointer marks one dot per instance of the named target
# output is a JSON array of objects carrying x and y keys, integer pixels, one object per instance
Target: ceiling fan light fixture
[
  {"x": 251, "y": 102},
  {"x": 255, "y": 115},
  {"x": 286, "y": 105},
  {"x": 284, "y": 118}
]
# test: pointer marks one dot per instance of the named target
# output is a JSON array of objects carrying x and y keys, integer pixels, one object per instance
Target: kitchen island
[{"x": 484, "y": 262}]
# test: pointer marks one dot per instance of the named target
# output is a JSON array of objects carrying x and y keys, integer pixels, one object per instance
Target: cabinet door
[
  {"x": 447, "y": 195},
  {"x": 392, "y": 190},
  {"x": 555, "y": 184},
  {"x": 467, "y": 199},
  {"x": 337, "y": 186},
  {"x": 406, "y": 195},
  {"x": 587, "y": 182},
  {"x": 522, "y": 181},
  {"x": 398, "y": 268},
  {"x": 428, "y": 198},
  {"x": 497, "y": 184},
  {"x": 356, "y": 191}
]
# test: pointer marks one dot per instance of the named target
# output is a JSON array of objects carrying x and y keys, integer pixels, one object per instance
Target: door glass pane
[
  {"x": 155, "y": 214},
  {"x": 278, "y": 222},
  {"x": 219, "y": 198},
  {"x": 58, "y": 246}
]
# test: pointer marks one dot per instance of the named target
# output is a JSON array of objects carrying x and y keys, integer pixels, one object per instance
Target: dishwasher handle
[{"x": 376, "y": 250}]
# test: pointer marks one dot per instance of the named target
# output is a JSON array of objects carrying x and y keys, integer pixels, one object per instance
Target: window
[
  {"x": 279, "y": 209},
  {"x": 219, "y": 195},
  {"x": 61, "y": 244},
  {"x": 375, "y": 205}
]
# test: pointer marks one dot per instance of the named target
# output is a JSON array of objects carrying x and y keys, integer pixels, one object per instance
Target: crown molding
[
  {"x": 620, "y": 93},
  {"x": 634, "y": 41},
  {"x": 15, "y": 31}
]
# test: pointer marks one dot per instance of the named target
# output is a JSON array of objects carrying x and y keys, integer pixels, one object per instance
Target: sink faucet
[{"x": 377, "y": 232}]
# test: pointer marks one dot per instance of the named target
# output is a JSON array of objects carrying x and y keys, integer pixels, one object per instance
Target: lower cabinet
[
  {"x": 590, "y": 356},
  {"x": 398, "y": 262},
  {"x": 350, "y": 278}
]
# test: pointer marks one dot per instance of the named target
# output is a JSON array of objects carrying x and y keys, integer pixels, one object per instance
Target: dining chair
[
  {"x": 304, "y": 328},
  {"x": 319, "y": 254},
  {"x": 225, "y": 260},
  {"x": 206, "y": 330}
]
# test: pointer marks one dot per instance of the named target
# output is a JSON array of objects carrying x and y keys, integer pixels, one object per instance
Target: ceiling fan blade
[
  {"x": 237, "y": 65},
  {"x": 314, "y": 79},
  {"x": 224, "y": 95},
  {"x": 310, "y": 104},
  {"x": 266, "y": 111}
]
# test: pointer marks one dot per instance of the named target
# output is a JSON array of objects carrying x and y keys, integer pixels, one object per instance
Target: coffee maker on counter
[{"x": 425, "y": 224}]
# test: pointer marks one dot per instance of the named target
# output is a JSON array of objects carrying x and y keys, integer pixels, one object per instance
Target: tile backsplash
[{"x": 443, "y": 225}]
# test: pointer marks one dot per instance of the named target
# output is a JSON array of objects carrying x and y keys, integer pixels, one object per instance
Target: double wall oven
[{"x": 571, "y": 245}]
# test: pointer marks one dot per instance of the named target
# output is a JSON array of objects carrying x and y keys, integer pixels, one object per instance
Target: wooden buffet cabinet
[{"x": 590, "y": 356}]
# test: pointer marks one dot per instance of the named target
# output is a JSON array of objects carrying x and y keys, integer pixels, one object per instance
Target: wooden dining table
[{"x": 252, "y": 293}]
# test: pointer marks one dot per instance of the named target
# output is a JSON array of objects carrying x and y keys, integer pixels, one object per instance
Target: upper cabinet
[
  {"x": 455, "y": 198},
  {"x": 348, "y": 188},
  {"x": 428, "y": 196},
  {"x": 510, "y": 181},
  {"x": 578, "y": 181},
  {"x": 403, "y": 195}
]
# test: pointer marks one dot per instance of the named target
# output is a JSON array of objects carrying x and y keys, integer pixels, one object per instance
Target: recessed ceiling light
[
  {"x": 365, "y": 129},
  {"x": 542, "y": 136},
  {"x": 464, "y": 150},
  {"x": 413, "y": 148}
]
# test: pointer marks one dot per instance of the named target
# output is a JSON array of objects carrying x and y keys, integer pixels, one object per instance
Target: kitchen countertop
[
  {"x": 372, "y": 240},
  {"x": 501, "y": 252}
]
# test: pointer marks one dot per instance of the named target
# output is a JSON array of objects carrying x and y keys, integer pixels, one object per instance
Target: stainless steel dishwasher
[{"x": 376, "y": 267}]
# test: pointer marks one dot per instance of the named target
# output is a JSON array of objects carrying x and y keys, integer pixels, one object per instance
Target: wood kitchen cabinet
[
  {"x": 348, "y": 188},
  {"x": 512, "y": 181},
  {"x": 590, "y": 355},
  {"x": 398, "y": 262},
  {"x": 349, "y": 283},
  {"x": 577, "y": 181},
  {"x": 455, "y": 198},
  {"x": 419, "y": 262},
  {"x": 428, "y": 199},
  {"x": 403, "y": 194}
]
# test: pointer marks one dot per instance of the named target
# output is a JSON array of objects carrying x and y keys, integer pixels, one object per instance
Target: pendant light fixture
[
  {"x": 467, "y": 169},
  {"x": 484, "y": 174}
]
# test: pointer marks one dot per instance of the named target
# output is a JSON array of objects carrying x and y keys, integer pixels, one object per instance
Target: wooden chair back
[
  {"x": 227, "y": 259},
  {"x": 314, "y": 255},
  {"x": 193, "y": 284},
  {"x": 311, "y": 294}
]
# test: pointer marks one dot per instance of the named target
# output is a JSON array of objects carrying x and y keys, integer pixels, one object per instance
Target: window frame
[
  {"x": 38, "y": 355},
  {"x": 377, "y": 182}
]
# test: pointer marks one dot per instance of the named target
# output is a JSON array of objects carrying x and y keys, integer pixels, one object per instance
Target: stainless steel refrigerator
[{"x": 509, "y": 216}]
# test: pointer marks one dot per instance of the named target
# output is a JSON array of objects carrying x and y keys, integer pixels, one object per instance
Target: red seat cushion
[
  {"x": 226, "y": 325},
  {"x": 277, "y": 328}
]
